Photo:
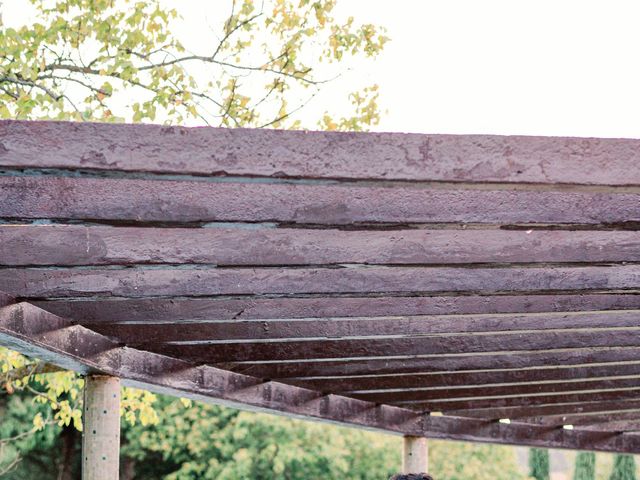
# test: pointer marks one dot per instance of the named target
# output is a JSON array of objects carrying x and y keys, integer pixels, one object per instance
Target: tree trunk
[
  {"x": 128, "y": 469},
  {"x": 69, "y": 438}
]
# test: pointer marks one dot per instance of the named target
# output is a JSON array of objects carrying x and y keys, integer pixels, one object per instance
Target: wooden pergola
[{"x": 472, "y": 287}]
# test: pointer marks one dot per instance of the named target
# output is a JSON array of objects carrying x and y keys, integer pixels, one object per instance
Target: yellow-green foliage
[{"x": 81, "y": 58}]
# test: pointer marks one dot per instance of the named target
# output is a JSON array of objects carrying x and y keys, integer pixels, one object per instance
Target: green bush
[
  {"x": 585, "y": 466},
  {"x": 624, "y": 468},
  {"x": 539, "y": 463}
]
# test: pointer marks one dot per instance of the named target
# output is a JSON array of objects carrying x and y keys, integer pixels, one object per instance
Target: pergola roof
[{"x": 428, "y": 285}]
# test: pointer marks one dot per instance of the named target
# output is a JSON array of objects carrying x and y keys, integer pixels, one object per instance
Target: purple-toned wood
[
  {"x": 375, "y": 383},
  {"x": 401, "y": 346},
  {"x": 124, "y": 201},
  {"x": 487, "y": 396},
  {"x": 586, "y": 420},
  {"x": 78, "y": 245},
  {"x": 206, "y": 151},
  {"x": 31, "y": 329},
  {"x": 287, "y": 371},
  {"x": 6, "y": 299},
  {"x": 463, "y": 428},
  {"x": 397, "y": 284},
  {"x": 551, "y": 410},
  {"x": 203, "y": 309},
  {"x": 378, "y": 327},
  {"x": 168, "y": 281},
  {"x": 567, "y": 402}
]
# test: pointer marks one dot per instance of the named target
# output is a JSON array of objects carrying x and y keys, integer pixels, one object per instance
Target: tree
[
  {"x": 585, "y": 466},
  {"x": 539, "y": 463},
  {"x": 624, "y": 468},
  {"x": 82, "y": 58}
]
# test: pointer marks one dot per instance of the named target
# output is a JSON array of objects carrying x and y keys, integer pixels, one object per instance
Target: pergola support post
[
  {"x": 101, "y": 428},
  {"x": 415, "y": 458}
]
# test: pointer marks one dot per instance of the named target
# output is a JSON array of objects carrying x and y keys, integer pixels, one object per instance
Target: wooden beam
[
  {"x": 401, "y": 382},
  {"x": 520, "y": 401},
  {"x": 401, "y": 346},
  {"x": 380, "y": 327},
  {"x": 126, "y": 201},
  {"x": 586, "y": 419},
  {"x": 101, "y": 428},
  {"x": 177, "y": 281},
  {"x": 78, "y": 245},
  {"x": 550, "y": 410},
  {"x": 6, "y": 299},
  {"x": 140, "y": 310},
  {"x": 218, "y": 151},
  {"x": 31, "y": 330},
  {"x": 321, "y": 369},
  {"x": 522, "y": 392}
]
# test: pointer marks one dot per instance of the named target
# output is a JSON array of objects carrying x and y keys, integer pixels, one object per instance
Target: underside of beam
[{"x": 37, "y": 332}]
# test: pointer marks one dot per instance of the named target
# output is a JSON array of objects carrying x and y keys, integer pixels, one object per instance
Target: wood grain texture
[
  {"x": 77, "y": 245},
  {"x": 401, "y": 346},
  {"x": 524, "y": 413},
  {"x": 567, "y": 402},
  {"x": 141, "y": 282},
  {"x": 28, "y": 328},
  {"x": 382, "y": 382},
  {"x": 446, "y": 364},
  {"x": 127, "y": 200},
  {"x": 361, "y": 279},
  {"x": 123, "y": 310},
  {"x": 211, "y": 151},
  {"x": 379, "y": 327},
  {"x": 482, "y": 396},
  {"x": 586, "y": 419}
]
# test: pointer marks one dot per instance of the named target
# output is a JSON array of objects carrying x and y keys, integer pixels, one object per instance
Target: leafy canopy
[{"x": 81, "y": 59}]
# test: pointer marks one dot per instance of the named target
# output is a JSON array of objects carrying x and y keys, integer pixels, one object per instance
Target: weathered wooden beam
[
  {"x": 33, "y": 330},
  {"x": 498, "y": 376},
  {"x": 586, "y": 419},
  {"x": 101, "y": 428},
  {"x": 139, "y": 310},
  {"x": 434, "y": 363},
  {"x": 6, "y": 299},
  {"x": 125, "y": 201},
  {"x": 172, "y": 281},
  {"x": 550, "y": 410},
  {"x": 79, "y": 245},
  {"x": 614, "y": 426},
  {"x": 545, "y": 399},
  {"x": 516, "y": 430},
  {"x": 211, "y": 151},
  {"x": 380, "y": 327},
  {"x": 401, "y": 346},
  {"x": 485, "y": 394}
]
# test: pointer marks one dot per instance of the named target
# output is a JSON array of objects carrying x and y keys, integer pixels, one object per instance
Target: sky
[
  {"x": 509, "y": 67},
  {"x": 566, "y": 68}
]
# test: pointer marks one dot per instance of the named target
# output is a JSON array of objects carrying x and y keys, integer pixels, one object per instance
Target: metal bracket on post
[{"x": 101, "y": 428}]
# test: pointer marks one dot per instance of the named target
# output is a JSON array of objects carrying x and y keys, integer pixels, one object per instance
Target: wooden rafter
[
  {"x": 37, "y": 332},
  {"x": 365, "y": 279}
]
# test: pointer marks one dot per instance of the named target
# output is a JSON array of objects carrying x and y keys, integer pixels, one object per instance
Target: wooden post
[
  {"x": 415, "y": 457},
  {"x": 101, "y": 428}
]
